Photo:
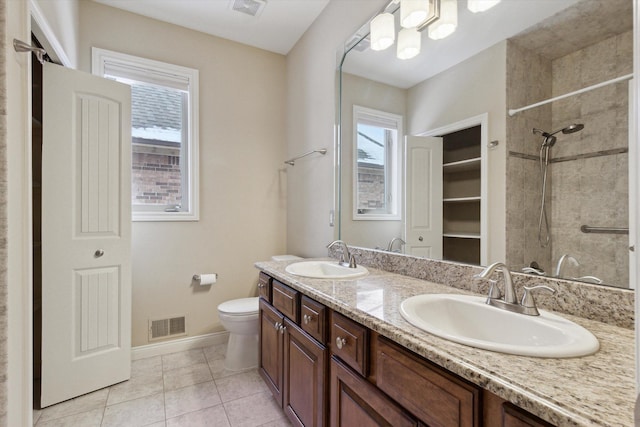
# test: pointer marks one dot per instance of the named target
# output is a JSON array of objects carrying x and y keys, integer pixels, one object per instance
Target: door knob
[{"x": 98, "y": 253}]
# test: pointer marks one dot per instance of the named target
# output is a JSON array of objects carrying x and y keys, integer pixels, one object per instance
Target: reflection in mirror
[{"x": 511, "y": 56}]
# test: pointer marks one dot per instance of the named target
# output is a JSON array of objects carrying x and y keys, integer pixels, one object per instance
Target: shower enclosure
[{"x": 563, "y": 180}]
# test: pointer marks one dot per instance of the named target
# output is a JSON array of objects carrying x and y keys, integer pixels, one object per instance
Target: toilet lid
[{"x": 240, "y": 306}]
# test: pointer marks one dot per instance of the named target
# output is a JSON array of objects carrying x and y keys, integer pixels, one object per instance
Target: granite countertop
[{"x": 586, "y": 391}]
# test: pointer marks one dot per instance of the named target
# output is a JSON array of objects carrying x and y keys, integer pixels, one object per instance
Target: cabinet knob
[
  {"x": 260, "y": 285},
  {"x": 421, "y": 238},
  {"x": 98, "y": 253},
  {"x": 307, "y": 319},
  {"x": 282, "y": 329},
  {"x": 277, "y": 325},
  {"x": 340, "y": 342}
]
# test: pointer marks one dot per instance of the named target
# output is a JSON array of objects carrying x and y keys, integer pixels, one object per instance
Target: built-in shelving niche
[{"x": 461, "y": 189}]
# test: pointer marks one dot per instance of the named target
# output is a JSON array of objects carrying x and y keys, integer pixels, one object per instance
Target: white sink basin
[
  {"x": 468, "y": 320},
  {"x": 325, "y": 270}
]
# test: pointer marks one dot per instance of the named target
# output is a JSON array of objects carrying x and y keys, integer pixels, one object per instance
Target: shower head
[
  {"x": 550, "y": 139},
  {"x": 575, "y": 127}
]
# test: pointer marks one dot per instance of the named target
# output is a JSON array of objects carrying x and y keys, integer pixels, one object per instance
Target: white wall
[
  {"x": 242, "y": 191},
  {"x": 61, "y": 18},
  {"x": 473, "y": 87},
  {"x": 311, "y": 88}
]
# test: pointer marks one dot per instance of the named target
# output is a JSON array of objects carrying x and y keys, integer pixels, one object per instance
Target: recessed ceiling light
[{"x": 248, "y": 7}]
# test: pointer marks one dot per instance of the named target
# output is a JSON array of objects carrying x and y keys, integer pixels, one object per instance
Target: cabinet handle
[
  {"x": 340, "y": 342},
  {"x": 260, "y": 285},
  {"x": 307, "y": 319},
  {"x": 277, "y": 325},
  {"x": 282, "y": 329}
]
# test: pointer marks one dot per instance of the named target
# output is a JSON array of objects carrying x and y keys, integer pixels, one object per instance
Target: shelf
[
  {"x": 462, "y": 165},
  {"x": 462, "y": 235},
  {"x": 461, "y": 199}
]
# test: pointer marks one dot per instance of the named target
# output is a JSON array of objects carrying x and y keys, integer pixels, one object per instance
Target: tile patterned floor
[{"x": 190, "y": 388}]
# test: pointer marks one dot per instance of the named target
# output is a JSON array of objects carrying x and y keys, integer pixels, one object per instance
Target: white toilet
[{"x": 240, "y": 318}]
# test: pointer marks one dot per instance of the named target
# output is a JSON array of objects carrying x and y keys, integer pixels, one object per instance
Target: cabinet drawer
[
  {"x": 350, "y": 342},
  {"x": 436, "y": 397},
  {"x": 264, "y": 287},
  {"x": 286, "y": 300},
  {"x": 313, "y": 319},
  {"x": 513, "y": 416}
]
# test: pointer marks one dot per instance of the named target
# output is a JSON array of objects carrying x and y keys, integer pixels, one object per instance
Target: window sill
[{"x": 163, "y": 216}]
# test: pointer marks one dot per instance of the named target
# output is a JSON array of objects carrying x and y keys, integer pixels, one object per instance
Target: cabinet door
[
  {"x": 271, "y": 348},
  {"x": 305, "y": 370},
  {"x": 355, "y": 402}
]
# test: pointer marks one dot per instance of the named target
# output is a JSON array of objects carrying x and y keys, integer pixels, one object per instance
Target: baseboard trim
[{"x": 182, "y": 344}]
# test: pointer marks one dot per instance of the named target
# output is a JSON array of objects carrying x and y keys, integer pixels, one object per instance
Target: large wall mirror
[{"x": 438, "y": 159}]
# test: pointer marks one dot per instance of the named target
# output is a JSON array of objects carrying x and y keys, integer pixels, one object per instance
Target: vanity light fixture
[
  {"x": 448, "y": 21},
  {"x": 408, "y": 43},
  {"x": 413, "y": 13},
  {"x": 476, "y": 6},
  {"x": 382, "y": 31}
]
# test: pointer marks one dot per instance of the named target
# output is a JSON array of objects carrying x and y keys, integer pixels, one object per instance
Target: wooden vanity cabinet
[
  {"x": 500, "y": 413},
  {"x": 264, "y": 287},
  {"x": 294, "y": 364},
  {"x": 271, "y": 349},
  {"x": 430, "y": 393},
  {"x": 356, "y": 402},
  {"x": 324, "y": 368},
  {"x": 350, "y": 342},
  {"x": 305, "y": 361}
]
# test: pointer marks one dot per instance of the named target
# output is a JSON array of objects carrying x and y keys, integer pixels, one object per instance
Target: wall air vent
[
  {"x": 164, "y": 328},
  {"x": 248, "y": 7}
]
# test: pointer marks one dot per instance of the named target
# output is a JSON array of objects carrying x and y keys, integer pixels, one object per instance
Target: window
[
  {"x": 376, "y": 168},
  {"x": 164, "y": 131}
]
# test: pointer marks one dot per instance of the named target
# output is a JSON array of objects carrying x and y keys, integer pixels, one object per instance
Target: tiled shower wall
[
  {"x": 588, "y": 174},
  {"x": 3, "y": 218},
  {"x": 590, "y": 169},
  {"x": 528, "y": 81}
]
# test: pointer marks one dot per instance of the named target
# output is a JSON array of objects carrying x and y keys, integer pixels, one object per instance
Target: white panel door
[
  {"x": 423, "y": 196},
  {"x": 86, "y": 234}
]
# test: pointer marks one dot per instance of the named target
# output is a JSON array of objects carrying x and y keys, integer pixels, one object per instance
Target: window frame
[
  {"x": 393, "y": 166},
  {"x": 189, "y": 210}
]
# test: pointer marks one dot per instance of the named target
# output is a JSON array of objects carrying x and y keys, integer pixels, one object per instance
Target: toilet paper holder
[{"x": 205, "y": 279}]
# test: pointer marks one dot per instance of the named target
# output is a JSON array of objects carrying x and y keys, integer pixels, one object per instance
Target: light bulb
[
  {"x": 476, "y": 6},
  {"x": 413, "y": 12},
  {"x": 408, "y": 43},
  {"x": 382, "y": 31},
  {"x": 448, "y": 21}
]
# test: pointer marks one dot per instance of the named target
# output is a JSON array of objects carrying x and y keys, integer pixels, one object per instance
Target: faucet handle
[
  {"x": 494, "y": 291},
  {"x": 352, "y": 261},
  {"x": 527, "y": 297}
]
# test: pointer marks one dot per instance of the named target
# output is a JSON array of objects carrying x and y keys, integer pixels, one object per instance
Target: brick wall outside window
[{"x": 156, "y": 179}]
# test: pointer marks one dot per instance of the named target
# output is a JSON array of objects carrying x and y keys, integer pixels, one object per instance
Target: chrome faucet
[
  {"x": 509, "y": 302},
  {"x": 346, "y": 259},
  {"x": 494, "y": 292},
  {"x": 564, "y": 258},
  {"x": 395, "y": 239}
]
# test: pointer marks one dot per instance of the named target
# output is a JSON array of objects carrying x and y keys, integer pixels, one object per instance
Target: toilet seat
[{"x": 240, "y": 306}]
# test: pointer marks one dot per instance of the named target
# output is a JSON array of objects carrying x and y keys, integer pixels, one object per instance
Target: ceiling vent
[
  {"x": 249, "y": 7},
  {"x": 362, "y": 44}
]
